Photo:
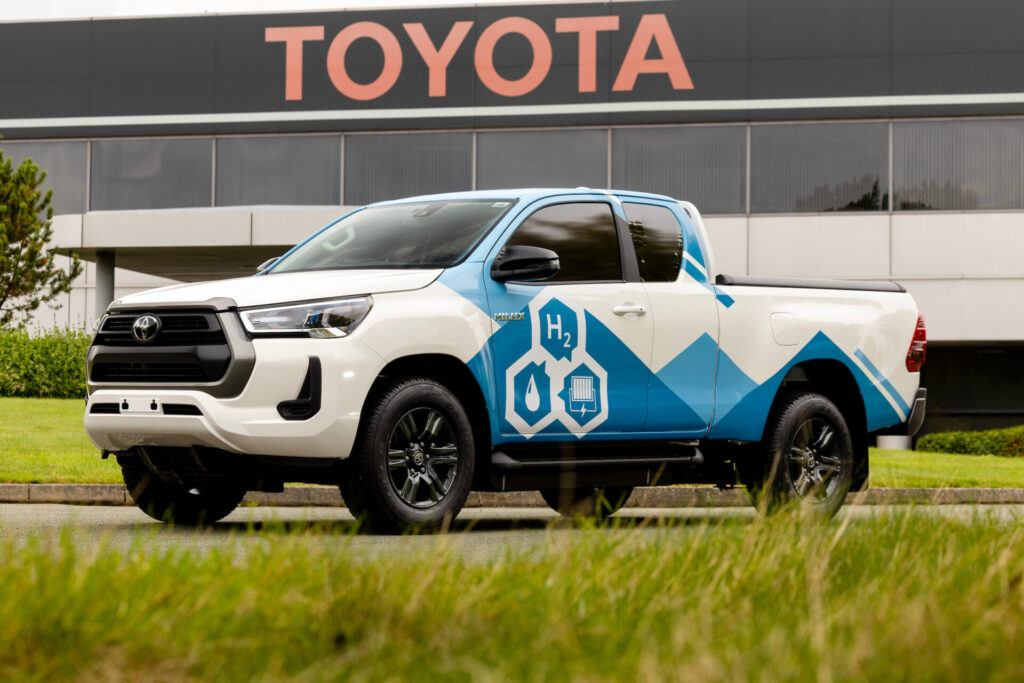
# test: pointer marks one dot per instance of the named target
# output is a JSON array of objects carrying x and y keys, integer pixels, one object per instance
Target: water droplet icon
[{"x": 532, "y": 395}]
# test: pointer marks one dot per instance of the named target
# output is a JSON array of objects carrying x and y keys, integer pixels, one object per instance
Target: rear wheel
[
  {"x": 807, "y": 458},
  {"x": 178, "y": 503},
  {"x": 595, "y": 503},
  {"x": 413, "y": 465}
]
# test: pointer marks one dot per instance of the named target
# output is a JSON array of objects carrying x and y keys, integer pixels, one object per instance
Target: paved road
[{"x": 483, "y": 532}]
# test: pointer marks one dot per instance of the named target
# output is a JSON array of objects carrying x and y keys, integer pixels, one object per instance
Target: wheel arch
[
  {"x": 835, "y": 381},
  {"x": 456, "y": 376}
]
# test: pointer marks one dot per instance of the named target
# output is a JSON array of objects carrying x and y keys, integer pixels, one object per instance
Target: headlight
[{"x": 321, "y": 319}]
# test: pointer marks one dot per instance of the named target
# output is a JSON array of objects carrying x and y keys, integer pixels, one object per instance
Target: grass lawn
[
  {"x": 904, "y": 596},
  {"x": 42, "y": 440},
  {"x": 915, "y": 469}
]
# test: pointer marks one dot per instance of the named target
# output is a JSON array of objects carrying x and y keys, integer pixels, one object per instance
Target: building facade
[{"x": 867, "y": 139}]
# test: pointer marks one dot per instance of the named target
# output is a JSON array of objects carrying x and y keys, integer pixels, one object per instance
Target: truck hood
[{"x": 287, "y": 287}]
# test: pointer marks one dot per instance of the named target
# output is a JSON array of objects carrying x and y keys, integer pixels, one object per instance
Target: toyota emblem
[{"x": 146, "y": 328}]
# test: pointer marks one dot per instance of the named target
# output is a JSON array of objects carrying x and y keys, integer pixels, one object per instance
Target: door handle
[{"x": 626, "y": 309}]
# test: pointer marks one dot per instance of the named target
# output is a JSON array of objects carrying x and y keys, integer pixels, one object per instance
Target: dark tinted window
[
  {"x": 706, "y": 165},
  {"x": 288, "y": 169},
  {"x": 957, "y": 165},
  {"x": 819, "y": 167},
  {"x": 151, "y": 174},
  {"x": 583, "y": 236},
  {"x": 658, "y": 241}
]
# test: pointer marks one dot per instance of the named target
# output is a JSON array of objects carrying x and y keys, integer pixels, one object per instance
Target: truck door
[
  {"x": 571, "y": 353},
  {"x": 685, "y": 317}
]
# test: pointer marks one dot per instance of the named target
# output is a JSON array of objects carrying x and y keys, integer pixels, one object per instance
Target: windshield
[{"x": 419, "y": 235}]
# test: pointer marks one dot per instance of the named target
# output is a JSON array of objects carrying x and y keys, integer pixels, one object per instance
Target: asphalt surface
[{"x": 481, "y": 533}]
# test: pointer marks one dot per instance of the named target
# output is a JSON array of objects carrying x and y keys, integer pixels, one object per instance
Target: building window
[
  {"x": 65, "y": 166},
  {"x": 706, "y": 165},
  {"x": 151, "y": 174},
  {"x": 391, "y": 166},
  {"x": 957, "y": 165},
  {"x": 294, "y": 169},
  {"x": 583, "y": 235},
  {"x": 544, "y": 158},
  {"x": 819, "y": 167}
]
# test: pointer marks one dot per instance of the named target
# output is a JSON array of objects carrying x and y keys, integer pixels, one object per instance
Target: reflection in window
[
  {"x": 583, "y": 235},
  {"x": 151, "y": 174},
  {"x": 65, "y": 166},
  {"x": 542, "y": 158},
  {"x": 706, "y": 165},
  {"x": 956, "y": 165},
  {"x": 658, "y": 240},
  {"x": 294, "y": 169},
  {"x": 819, "y": 167},
  {"x": 380, "y": 167}
]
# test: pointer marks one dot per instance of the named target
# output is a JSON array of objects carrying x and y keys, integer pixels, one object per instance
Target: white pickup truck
[{"x": 574, "y": 341}]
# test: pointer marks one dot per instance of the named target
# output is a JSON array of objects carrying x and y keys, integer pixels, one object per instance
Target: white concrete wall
[{"x": 964, "y": 269}]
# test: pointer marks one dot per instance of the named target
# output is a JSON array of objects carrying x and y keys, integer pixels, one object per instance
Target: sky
[{"x": 20, "y": 10}]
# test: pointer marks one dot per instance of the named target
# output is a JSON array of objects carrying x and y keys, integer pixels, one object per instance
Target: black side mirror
[
  {"x": 266, "y": 264},
  {"x": 526, "y": 264}
]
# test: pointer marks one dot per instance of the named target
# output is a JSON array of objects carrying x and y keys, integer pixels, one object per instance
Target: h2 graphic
[
  {"x": 559, "y": 329},
  {"x": 556, "y": 380}
]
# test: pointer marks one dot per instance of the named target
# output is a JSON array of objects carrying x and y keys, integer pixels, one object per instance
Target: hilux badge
[
  {"x": 509, "y": 317},
  {"x": 146, "y": 328}
]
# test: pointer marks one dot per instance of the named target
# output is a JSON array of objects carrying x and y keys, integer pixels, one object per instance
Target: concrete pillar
[{"x": 104, "y": 281}]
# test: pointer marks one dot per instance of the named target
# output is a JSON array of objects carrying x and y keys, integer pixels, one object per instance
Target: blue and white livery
[{"x": 568, "y": 340}]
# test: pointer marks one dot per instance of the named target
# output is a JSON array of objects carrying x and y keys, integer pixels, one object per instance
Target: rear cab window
[{"x": 658, "y": 241}]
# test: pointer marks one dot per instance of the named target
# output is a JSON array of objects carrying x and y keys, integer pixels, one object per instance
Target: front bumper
[{"x": 249, "y": 422}]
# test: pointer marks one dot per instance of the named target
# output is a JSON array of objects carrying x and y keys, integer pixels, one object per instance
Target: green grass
[
  {"x": 42, "y": 440},
  {"x": 931, "y": 470},
  {"x": 903, "y": 596}
]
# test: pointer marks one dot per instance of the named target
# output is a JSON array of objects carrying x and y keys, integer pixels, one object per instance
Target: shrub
[
  {"x": 1007, "y": 442},
  {"x": 44, "y": 365}
]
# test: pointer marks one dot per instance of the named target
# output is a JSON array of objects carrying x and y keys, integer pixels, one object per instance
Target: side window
[
  {"x": 658, "y": 240},
  {"x": 583, "y": 235}
]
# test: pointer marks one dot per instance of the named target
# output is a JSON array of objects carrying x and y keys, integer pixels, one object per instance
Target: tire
[
  {"x": 412, "y": 466},
  {"x": 177, "y": 504},
  {"x": 594, "y": 503},
  {"x": 806, "y": 460}
]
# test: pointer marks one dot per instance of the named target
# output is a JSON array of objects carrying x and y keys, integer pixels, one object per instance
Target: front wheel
[
  {"x": 595, "y": 503},
  {"x": 178, "y": 503},
  {"x": 413, "y": 465},
  {"x": 807, "y": 458}
]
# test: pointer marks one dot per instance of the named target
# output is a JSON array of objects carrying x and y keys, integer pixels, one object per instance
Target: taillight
[{"x": 918, "y": 347}]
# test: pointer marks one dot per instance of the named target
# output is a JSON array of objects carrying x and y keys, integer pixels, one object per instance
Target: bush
[
  {"x": 1007, "y": 442},
  {"x": 46, "y": 365}
]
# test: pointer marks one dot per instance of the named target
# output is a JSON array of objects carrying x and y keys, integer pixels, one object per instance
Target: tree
[{"x": 29, "y": 274}]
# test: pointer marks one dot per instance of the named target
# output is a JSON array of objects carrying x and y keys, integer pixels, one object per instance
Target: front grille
[
  {"x": 177, "y": 329},
  {"x": 149, "y": 371},
  {"x": 189, "y": 348}
]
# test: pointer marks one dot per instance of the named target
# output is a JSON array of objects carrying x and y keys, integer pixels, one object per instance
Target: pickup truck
[{"x": 577, "y": 342}]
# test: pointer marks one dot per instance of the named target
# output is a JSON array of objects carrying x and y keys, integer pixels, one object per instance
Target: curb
[{"x": 643, "y": 497}]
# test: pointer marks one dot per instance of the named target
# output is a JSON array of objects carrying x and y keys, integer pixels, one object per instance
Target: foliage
[
  {"x": 29, "y": 275},
  {"x": 893, "y": 595},
  {"x": 47, "y": 365},
  {"x": 1007, "y": 442}
]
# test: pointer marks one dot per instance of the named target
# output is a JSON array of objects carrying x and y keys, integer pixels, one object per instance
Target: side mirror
[
  {"x": 266, "y": 264},
  {"x": 526, "y": 264}
]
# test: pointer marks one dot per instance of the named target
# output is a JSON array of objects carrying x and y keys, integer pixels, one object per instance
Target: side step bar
[{"x": 536, "y": 468}]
